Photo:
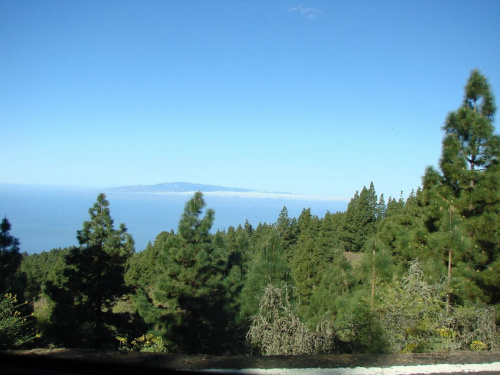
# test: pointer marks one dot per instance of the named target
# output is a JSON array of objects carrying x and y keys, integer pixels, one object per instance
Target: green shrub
[
  {"x": 14, "y": 326},
  {"x": 146, "y": 343}
]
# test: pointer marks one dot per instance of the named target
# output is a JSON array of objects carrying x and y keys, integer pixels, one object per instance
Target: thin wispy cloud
[
  {"x": 253, "y": 195},
  {"x": 309, "y": 13}
]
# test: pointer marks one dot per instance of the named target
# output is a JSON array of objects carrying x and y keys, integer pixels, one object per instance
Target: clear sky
[{"x": 309, "y": 97}]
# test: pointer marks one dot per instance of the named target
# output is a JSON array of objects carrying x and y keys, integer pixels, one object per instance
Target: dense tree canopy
[{"x": 419, "y": 273}]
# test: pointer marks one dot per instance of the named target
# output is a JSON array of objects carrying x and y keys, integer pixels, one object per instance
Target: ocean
[{"x": 47, "y": 218}]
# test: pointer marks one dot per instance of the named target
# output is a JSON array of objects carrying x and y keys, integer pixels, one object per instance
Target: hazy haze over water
[{"x": 47, "y": 218}]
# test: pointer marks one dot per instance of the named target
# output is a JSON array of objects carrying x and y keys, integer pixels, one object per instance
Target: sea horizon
[{"x": 45, "y": 217}]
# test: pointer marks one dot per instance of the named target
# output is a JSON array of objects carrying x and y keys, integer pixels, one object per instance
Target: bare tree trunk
[
  {"x": 448, "y": 294},
  {"x": 373, "y": 279},
  {"x": 448, "y": 297}
]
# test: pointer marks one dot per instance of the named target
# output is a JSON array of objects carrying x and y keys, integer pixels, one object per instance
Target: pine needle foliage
[
  {"x": 10, "y": 257},
  {"x": 190, "y": 286},
  {"x": 93, "y": 281}
]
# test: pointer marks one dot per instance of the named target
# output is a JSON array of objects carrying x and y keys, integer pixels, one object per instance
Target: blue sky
[{"x": 311, "y": 97}]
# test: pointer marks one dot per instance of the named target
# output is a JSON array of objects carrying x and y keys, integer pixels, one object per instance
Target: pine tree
[
  {"x": 142, "y": 267},
  {"x": 269, "y": 266},
  {"x": 187, "y": 258},
  {"x": 307, "y": 268},
  {"x": 190, "y": 285},
  {"x": 335, "y": 283},
  {"x": 469, "y": 147},
  {"x": 470, "y": 155},
  {"x": 287, "y": 230},
  {"x": 309, "y": 258},
  {"x": 403, "y": 230},
  {"x": 377, "y": 264},
  {"x": 381, "y": 208},
  {"x": 40, "y": 268},
  {"x": 362, "y": 215},
  {"x": 234, "y": 248},
  {"x": 329, "y": 240},
  {"x": 455, "y": 246},
  {"x": 469, "y": 189},
  {"x": 10, "y": 257},
  {"x": 101, "y": 258},
  {"x": 93, "y": 281}
]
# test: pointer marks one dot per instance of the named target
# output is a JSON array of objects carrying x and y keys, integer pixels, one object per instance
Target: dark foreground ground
[{"x": 83, "y": 361}]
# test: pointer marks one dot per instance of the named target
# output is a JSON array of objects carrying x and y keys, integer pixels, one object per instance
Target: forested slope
[{"x": 406, "y": 274}]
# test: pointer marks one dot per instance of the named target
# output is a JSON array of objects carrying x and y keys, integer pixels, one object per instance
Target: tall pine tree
[
  {"x": 94, "y": 280},
  {"x": 190, "y": 287},
  {"x": 468, "y": 189}
]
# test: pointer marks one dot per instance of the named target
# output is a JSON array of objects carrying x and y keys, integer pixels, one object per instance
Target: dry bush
[
  {"x": 474, "y": 327},
  {"x": 277, "y": 330},
  {"x": 413, "y": 317}
]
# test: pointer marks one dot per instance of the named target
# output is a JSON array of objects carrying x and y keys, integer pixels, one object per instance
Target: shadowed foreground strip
[{"x": 79, "y": 361}]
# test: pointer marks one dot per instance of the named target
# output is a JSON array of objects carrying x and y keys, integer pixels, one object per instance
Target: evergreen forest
[{"x": 414, "y": 273}]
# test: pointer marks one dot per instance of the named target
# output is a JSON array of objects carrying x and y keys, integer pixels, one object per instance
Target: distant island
[{"x": 181, "y": 187}]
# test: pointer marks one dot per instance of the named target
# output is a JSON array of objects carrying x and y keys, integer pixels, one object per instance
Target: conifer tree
[
  {"x": 308, "y": 225},
  {"x": 269, "y": 266},
  {"x": 235, "y": 251},
  {"x": 329, "y": 240},
  {"x": 309, "y": 257},
  {"x": 287, "y": 230},
  {"x": 10, "y": 257},
  {"x": 470, "y": 147},
  {"x": 187, "y": 258},
  {"x": 335, "y": 282},
  {"x": 40, "y": 268},
  {"x": 142, "y": 267},
  {"x": 377, "y": 264},
  {"x": 402, "y": 231},
  {"x": 190, "y": 285},
  {"x": 100, "y": 260},
  {"x": 234, "y": 248},
  {"x": 362, "y": 215},
  {"x": 470, "y": 156},
  {"x": 307, "y": 267},
  {"x": 381, "y": 208},
  {"x": 455, "y": 246},
  {"x": 468, "y": 187},
  {"x": 93, "y": 281}
]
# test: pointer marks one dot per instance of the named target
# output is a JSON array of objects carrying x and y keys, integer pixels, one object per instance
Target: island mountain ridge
[{"x": 181, "y": 187}]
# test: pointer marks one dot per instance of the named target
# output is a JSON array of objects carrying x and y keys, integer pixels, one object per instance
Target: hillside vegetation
[{"x": 403, "y": 274}]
